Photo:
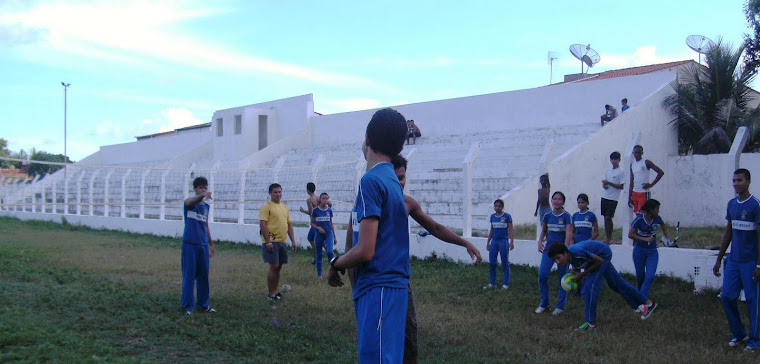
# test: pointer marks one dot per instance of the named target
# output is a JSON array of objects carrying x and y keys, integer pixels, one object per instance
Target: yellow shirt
[{"x": 277, "y": 217}]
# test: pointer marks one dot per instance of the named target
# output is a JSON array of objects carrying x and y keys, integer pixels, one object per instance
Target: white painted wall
[
  {"x": 151, "y": 152},
  {"x": 573, "y": 103}
]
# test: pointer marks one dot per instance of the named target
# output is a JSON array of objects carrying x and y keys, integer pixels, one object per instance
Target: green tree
[
  {"x": 4, "y": 152},
  {"x": 752, "y": 41},
  {"x": 43, "y": 169},
  {"x": 711, "y": 102}
]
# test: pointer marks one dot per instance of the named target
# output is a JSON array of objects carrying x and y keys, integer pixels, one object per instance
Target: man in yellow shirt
[{"x": 274, "y": 219}]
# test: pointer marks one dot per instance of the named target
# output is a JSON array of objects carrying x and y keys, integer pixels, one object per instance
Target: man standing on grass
[
  {"x": 639, "y": 190},
  {"x": 742, "y": 269},
  {"x": 197, "y": 248},
  {"x": 274, "y": 220},
  {"x": 381, "y": 254},
  {"x": 311, "y": 203},
  {"x": 613, "y": 184}
]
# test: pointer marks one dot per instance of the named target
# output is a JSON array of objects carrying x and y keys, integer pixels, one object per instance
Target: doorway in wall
[{"x": 262, "y": 131}]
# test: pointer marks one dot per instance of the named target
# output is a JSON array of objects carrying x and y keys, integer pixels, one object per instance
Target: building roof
[
  {"x": 633, "y": 71},
  {"x": 150, "y": 136}
]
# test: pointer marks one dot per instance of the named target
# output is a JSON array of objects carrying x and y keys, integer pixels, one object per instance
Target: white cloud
[{"x": 175, "y": 118}]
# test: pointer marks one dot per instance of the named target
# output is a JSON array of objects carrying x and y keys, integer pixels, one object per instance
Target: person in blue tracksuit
[
  {"x": 742, "y": 267},
  {"x": 557, "y": 229},
  {"x": 197, "y": 248},
  {"x": 322, "y": 222},
  {"x": 381, "y": 254},
  {"x": 585, "y": 226},
  {"x": 644, "y": 233},
  {"x": 595, "y": 259},
  {"x": 501, "y": 229}
]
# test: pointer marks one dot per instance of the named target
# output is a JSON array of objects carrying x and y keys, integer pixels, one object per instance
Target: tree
[
  {"x": 43, "y": 169},
  {"x": 4, "y": 152},
  {"x": 713, "y": 102},
  {"x": 752, "y": 41}
]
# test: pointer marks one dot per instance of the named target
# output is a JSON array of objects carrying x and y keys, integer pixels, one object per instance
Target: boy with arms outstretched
[
  {"x": 197, "y": 248},
  {"x": 595, "y": 259}
]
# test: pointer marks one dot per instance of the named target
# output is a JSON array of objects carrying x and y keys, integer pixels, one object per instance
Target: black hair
[
  {"x": 745, "y": 172},
  {"x": 200, "y": 181},
  {"x": 273, "y": 186},
  {"x": 561, "y": 194},
  {"x": 556, "y": 249},
  {"x": 499, "y": 201},
  {"x": 638, "y": 146},
  {"x": 545, "y": 175},
  {"x": 650, "y": 205},
  {"x": 582, "y": 197},
  {"x": 398, "y": 161},
  {"x": 625, "y": 100},
  {"x": 615, "y": 155},
  {"x": 387, "y": 131},
  {"x": 311, "y": 187},
  {"x": 323, "y": 194},
  {"x": 607, "y": 107}
]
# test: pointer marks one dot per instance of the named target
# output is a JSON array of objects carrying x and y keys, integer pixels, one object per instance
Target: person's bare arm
[
  {"x": 265, "y": 232},
  {"x": 192, "y": 201},
  {"x": 633, "y": 235},
  {"x": 657, "y": 169},
  {"x": 365, "y": 251},
  {"x": 349, "y": 244},
  {"x": 211, "y": 248},
  {"x": 595, "y": 234},
  {"x": 292, "y": 236},
  {"x": 569, "y": 229},
  {"x": 598, "y": 261},
  {"x": 439, "y": 231},
  {"x": 310, "y": 206},
  {"x": 542, "y": 237},
  {"x": 630, "y": 187},
  {"x": 511, "y": 236},
  {"x": 723, "y": 247}
]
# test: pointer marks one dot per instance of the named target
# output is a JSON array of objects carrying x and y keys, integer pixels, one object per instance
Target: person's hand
[
  {"x": 302, "y": 209},
  {"x": 488, "y": 246},
  {"x": 295, "y": 247},
  {"x": 211, "y": 250},
  {"x": 207, "y": 194},
  {"x": 605, "y": 184},
  {"x": 335, "y": 240},
  {"x": 647, "y": 186},
  {"x": 321, "y": 231},
  {"x": 716, "y": 269},
  {"x": 540, "y": 247},
  {"x": 333, "y": 277},
  {"x": 649, "y": 239},
  {"x": 512, "y": 246},
  {"x": 577, "y": 278},
  {"x": 270, "y": 247},
  {"x": 535, "y": 214},
  {"x": 630, "y": 202},
  {"x": 474, "y": 253}
]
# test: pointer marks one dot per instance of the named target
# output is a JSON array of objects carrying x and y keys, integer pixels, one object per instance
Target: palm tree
[{"x": 711, "y": 102}]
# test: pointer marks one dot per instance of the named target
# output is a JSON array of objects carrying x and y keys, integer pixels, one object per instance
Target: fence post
[
  {"x": 79, "y": 192},
  {"x": 735, "y": 154},
  {"x": 543, "y": 168},
  {"x": 408, "y": 157},
  {"x": 162, "y": 197},
  {"x": 3, "y": 182},
  {"x": 627, "y": 160},
  {"x": 472, "y": 154},
  {"x": 66, "y": 180},
  {"x": 186, "y": 187},
  {"x": 212, "y": 176},
  {"x": 142, "y": 193},
  {"x": 92, "y": 192},
  {"x": 106, "y": 188},
  {"x": 241, "y": 198},
  {"x": 33, "y": 187},
  {"x": 361, "y": 167},
  {"x": 315, "y": 166},
  {"x": 277, "y": 167},
  {"x": 123, "y": 212}
]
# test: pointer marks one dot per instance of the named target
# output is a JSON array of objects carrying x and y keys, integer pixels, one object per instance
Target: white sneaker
[
  {"x": 735, "y": 341},
  {"x": 488, "y": 286},
  {"x": 505, "y": 287},
  {"x": 541, "y": 309},
  {"x": 639, "y": 309},
  {"x": 557, "y": 312}
]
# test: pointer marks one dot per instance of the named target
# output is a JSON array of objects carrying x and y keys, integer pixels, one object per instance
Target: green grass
[{"x": 70, "y": 294}]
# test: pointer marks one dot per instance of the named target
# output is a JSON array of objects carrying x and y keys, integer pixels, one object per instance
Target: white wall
[
  {"x": 570, "y": 104},
  {"x": 679, "y": 263},
  {"x": 150, "y": 152}
]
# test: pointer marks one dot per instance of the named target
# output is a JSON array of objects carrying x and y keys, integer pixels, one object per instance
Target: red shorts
[{"x": 639, "y": 198}]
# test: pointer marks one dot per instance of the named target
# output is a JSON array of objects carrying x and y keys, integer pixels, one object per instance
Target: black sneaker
[
  {"x": 275, "y": 297},
  {"x": 647, "y": 311},
  {"x": 208, "y": 310}
]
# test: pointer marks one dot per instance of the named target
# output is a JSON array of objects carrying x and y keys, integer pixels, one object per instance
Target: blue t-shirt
[
  {"x": 380, "y": 196},
  {"x": 322, "y": 218},
  {"x": 646, "y": 229},
  {"x": 195, "y": 224},
  {"x": 744, "y": 217},
  {"x": 556, "y": 226},
  {"x": 624, "y": 108},
  {"x": 584, "y": 225},
  {"x": 582, "y": 253},
  {"x": 500, "y": 225}
]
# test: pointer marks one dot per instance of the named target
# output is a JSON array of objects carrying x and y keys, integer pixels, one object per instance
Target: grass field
[{"x": 69, "y": 294}]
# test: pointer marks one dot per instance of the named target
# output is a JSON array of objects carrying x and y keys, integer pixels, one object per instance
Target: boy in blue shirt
[
  {"x": 501, "y": 227},
  {"x": 322, "y": 223},
  {"x": 595, "y": 259},
  {"x": 381, "y": 254},
  {"x": 197, "y": 248},
  {"x": 742, "y": 268}
]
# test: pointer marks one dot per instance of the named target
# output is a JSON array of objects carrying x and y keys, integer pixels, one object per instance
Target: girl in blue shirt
[
  {"x": 557, "y": 229},
  {"x": 585, "y": 226},
  {"x": 501, "y": 230},
  {"x": 644, "y": 234},
  {"x": 321, "y": 220}
]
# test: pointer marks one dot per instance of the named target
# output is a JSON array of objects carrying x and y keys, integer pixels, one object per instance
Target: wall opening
[{"x": 262, "y": 131}]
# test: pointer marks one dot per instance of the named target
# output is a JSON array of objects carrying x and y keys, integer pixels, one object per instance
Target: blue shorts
[
  {"x": 278, "y": 256},
  {"x": 311, "y": 235},
  {"x": 381, "y": 323}
]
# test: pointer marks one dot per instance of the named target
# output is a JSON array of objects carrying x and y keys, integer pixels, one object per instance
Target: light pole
[{"x": 65, "y": 151}]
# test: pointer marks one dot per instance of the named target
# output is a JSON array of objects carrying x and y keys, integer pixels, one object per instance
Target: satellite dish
[
  {"x": 699, "y": 44},
  {"x": 550, "y": 57},
  {"x": 585, "y": 54}
]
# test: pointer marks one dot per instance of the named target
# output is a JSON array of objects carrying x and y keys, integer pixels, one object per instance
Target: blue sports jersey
[
  {"x": 744, "y": 217},
  {"x": 584, "y": 225},
  {"x": 322, "y": 218},
  {"x": 582, "y": 253},
  {"x": 380, "y": 196},
  {"x": 195, "y": 224},
  {"x": 556, "y": 226},
  {"x": 646, "y": 229},
  {"x": 500, "y": 225}
]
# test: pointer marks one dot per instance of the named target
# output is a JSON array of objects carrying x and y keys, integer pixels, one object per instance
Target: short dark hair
[
  {"x": 650, "y": 205},
  {"x": 561, "y": 194},
  {"x": 745, "y": 172},
  {"x": 200, "y": 181},
  {"x": 638, "y": 146},
  {"x": 625, "y": 100},
  {"x": 582, "y": 197},
  {"x": 273, "y": 186},
  {"x": 398, "y": 161},
  {"x": 556, "y": 249},
  {"x": 323, "y": 194},
  {"x": 387, "y": 131},
  {"x": 607, "y": 106},
  {"x": 311, "y": 187},
  {"x": 615, "y": 155},
  {"x": 544, "y": 176},
  {"x": 499, "y": 201}
]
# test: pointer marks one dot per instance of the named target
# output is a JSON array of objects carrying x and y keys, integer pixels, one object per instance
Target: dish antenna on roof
[
  {"x": 550, "y": 59},
  {"x": 585, "y": 54},
  {"x": 699, "y": 44}
]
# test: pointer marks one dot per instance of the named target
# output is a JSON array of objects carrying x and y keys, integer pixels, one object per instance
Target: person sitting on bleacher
[
  {"x": 609, "y": 114},
  {"x": 414, "y": 132}
]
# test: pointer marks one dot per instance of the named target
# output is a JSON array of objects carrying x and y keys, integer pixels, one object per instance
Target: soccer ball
[
  {"x": 285, "y": 288},
  {"x": 568, "y": 284}
]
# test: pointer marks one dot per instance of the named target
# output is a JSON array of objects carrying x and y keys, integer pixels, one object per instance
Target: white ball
[{"x": 285, "y": 288}]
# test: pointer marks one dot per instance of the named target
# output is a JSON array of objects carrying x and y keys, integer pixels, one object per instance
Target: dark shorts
[
  {"x": 607, "y": 118},
  {"x": 410, "y": 334},
  {"x": 609, "y": 207},
  {"x": 310, "y": 235},
  {"x": 278, "y": 256}
]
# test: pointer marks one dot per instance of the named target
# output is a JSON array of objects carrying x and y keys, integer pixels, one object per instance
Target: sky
[{"x": 142, "y": 67}]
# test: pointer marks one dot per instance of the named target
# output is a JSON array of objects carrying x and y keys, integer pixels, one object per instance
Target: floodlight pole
[{"x": 65, "y": 149}]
